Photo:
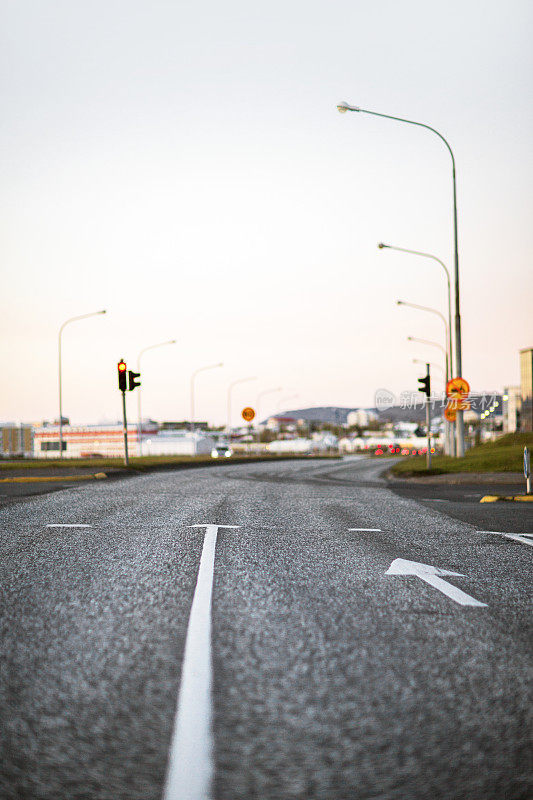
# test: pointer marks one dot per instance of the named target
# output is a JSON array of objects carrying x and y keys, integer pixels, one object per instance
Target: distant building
[
  {"x": 512, "y": 403},
  {"x": 107, "y": 441},
  {"x": 361, "y": 417},
  {"x": 15, "y": 440},
  {"x": 526, "y": 389},
  {"x": 89, "y": 441}
]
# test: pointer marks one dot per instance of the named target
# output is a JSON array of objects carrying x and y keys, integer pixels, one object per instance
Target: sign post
[{"x": 527, "y": 470}]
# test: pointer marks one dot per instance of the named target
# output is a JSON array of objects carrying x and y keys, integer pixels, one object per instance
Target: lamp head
[
  {"x": 381, "y": 245},
  {"x": 344, "y": 107}
]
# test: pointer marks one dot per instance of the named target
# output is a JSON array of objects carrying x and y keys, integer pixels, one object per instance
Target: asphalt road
[{"x": 331, "y": 679}]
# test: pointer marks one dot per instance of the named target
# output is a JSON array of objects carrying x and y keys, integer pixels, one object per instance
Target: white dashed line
[
  {"x": 190, "y": 765},
  {"x": 67, "y": 525},
  {"x": 365, "y": 530}
]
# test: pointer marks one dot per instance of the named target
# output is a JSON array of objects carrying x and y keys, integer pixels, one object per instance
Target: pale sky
[{"x": 183, "y": 165}]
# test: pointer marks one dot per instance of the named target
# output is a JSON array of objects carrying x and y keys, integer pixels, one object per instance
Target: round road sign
[
  {"x": 248, "y": 414},
  {"x": 450, "y": 413},
  {"x": 457, "y": 386}
]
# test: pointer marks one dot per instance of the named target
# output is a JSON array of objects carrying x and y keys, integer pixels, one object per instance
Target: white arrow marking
[
  {"x": 190, "y": 764},
  {"x": 429, "y": 574}
]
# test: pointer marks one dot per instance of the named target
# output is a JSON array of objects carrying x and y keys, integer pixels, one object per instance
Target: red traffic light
[{"x": 121, "y": 366}]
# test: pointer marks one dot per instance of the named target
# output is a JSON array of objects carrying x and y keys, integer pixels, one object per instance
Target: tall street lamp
[
  {"x": 431, "y": 311},
  {"x": 343, "y": 108},
  {"x": 67, "y": 322},
  {"x": 139, "y": 413},
  {"x": 193, "y": 376},
  {"x": 427, "y": 341},
  {"x": 230, "y": 389},
  {"x": 381, "y": 246}
]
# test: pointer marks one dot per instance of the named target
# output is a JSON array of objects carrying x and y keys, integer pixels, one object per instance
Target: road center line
[{"x": 190, "y": 764}]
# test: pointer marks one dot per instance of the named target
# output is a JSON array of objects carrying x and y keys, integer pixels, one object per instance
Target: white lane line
[
  {"x": 190, "y": 764},
  {"x": 525, "y": 538},
  {"x": 368, "y": 530},
  {"x": 67, "y": 525}
]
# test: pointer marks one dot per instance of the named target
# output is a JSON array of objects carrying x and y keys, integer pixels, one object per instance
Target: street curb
[
  {"x": 457, "y": 478},
  {"x": 498, "y": 498},
  {"x": 58, "y": 478}
]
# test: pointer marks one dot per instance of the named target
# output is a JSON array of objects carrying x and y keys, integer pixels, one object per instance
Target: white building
[
  {"x": 361, "y": 417},
  {"x": 512, "y": 403}
]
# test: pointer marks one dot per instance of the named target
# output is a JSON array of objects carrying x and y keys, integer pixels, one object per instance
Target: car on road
[{"x": 221, "y": 450}]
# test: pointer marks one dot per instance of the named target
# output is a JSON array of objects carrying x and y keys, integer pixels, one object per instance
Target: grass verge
[
  {"x": 141, "y": 463},
  {"x": 504, "y": 455}
]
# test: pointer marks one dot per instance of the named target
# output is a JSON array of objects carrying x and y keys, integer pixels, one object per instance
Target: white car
[{"x": 221, "y": 451}]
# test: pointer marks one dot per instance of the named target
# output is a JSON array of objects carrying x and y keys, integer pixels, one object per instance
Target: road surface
[{"x": 322, "y": 649}]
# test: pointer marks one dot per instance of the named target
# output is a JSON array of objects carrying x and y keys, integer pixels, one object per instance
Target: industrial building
[{"x": 107, "y": 441}]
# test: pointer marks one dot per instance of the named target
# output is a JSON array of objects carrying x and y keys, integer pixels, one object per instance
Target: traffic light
[
  {"x": 425, "y": 385},
  {"x": 121, "y": 366},
  {"x": 132, "y": 382}
]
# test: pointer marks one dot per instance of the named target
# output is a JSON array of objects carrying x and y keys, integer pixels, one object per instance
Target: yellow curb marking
[
  {"x": 48, "y": 478},
  {"x": 517, "y": 498}
]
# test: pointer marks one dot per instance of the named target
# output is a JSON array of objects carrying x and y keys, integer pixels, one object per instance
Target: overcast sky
[{"x": 183, "y": 165}]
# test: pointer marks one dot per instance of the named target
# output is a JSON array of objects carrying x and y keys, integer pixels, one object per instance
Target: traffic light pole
[
  {"x": 125, "y": 429},
  {"x": 428, "y": 424}
]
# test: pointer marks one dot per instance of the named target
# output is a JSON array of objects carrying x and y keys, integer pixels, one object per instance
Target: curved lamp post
[
  {"x": 193, "y": 376},
  {"x": 343, "y": 108},
  {"x": 431, "y": 311},
  {"x": 382, "y": 245},
  {"x": 139, "y": 414},
  {"x": 67, "y": 322}
]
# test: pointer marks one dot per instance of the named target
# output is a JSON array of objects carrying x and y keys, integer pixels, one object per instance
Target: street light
[
  {"x": 193, "y": 376},
  {"x": 343, "y": 108},
  {"x": 72, "y": 319},
  {"x": 381, "y": 246},
  {"x": 139, "y": 415},
  {"x": 427, "y": 341},
  {"x": 262, "y": 394},
  {"x": 431, "y": 311},
  {"x": 230, "y": 387}
]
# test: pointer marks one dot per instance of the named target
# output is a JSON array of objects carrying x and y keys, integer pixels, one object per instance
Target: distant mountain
[
  {"x": 338, "y": 415},
  {"x": 334, "y": 415}
]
